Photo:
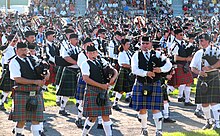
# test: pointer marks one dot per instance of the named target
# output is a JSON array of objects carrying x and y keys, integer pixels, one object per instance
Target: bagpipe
[{"x": 211, "y": 58}]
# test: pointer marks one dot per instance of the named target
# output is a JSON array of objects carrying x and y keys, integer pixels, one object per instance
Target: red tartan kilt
[
  {"x": 52, "y": 75},
  {"x": 180, "y": 77}
]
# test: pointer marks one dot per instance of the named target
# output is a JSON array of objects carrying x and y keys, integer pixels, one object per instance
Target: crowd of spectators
[{"x": 206, "y": 7}]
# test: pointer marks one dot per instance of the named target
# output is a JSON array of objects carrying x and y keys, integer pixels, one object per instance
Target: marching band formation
[{"x": 93, "y": 55}]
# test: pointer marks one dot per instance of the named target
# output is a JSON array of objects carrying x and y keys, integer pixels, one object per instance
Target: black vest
[
  {"x": 53, "y": 50},
  {"x": 182, "y": 53},
  {"x": 149, "y": 65},
  {"x": 27, "y": 71},
  {"x": 96, "y": 73}
]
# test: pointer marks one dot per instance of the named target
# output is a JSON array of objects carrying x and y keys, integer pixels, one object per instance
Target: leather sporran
[
  {"x": 186, "y": 68},
  {"x": 146, "y": 91},
  {"x": 32, "y": 104},
  {"x": 204, "y": 87},
  {"x": 101, "y": 98}
]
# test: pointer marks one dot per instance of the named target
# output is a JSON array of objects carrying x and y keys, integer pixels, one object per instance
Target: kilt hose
[
  {"x": 52, "y": 70},
  {"x": 21, "y": 95},
  {"x": 67, "y": 86},
  {"x": 180, "y": 77},
  {"x": 81, "y": 85},
  {"x": 90, "y": 108},
  {"x": 58, "y": 75},
  {"x": 213, "y": 93},
  {"x": 6, "y": 82},
  {"x": 152, "y": 102},
  {"x": 124, "y": 82}
]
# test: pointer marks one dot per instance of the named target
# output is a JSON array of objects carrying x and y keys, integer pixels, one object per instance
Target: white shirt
[
  {"x": 15, "y": 68},
  {"x": 197, "y": 58},
  {"x": 9, "y": 52},
  {"x": 143, "y": 73},
  {"x": 52, "y": 59},
  {"x": 85, "y": 66},
  {"x": 170, "y": 42},
  {"x": 111, "y": 50},
  {"x": 81, "y": 58},
  {"x": 123, "y": 58},
  {"x": 174, "y": 49}
]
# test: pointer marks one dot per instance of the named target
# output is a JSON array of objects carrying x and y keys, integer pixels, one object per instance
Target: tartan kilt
[
  {"x": 153, "y": 102},
  {"x": 123, "y": 82},
  {"x": 6, "y": 82},
  {"x": 67, "y": 86},
  {"x": 90, "y": 108},
  {"x": 52, "y": 70},
  {"x": 180, "y": 77},
  {"x": 213, "y": 93},
  {"x": 81, "y": 85},
  {"x": 21, "y": 95},
  {"x": 58, "y": 75}
]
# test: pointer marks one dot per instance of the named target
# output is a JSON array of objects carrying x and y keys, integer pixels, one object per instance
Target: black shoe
[
  {"x": 128, "y": 99},
  {"x": 19, "y": 134},
  {"x": 138, "y": 118},
  {"x": 99, "y": 126},
  {"x": 117, "y": 108},
  {"x": 189, "y": 104},
  {"x": 159, "y": 133},
  {"x": 79, "y": 123},
  {"x": 13, "y": 131},
  {"x": 144, "y": 132},
  {"x": 64, "y": 113},
  {"x": 199, "y": 114},
  {"x": 168, "y": 120},
  {"x": 2, "y": 108},
  {"x": 58, "y": 103},
  {"x": 6, "y": 100},
  {"x": 42, "y": 133},
  {"x": 207, "y": 126},
  {"x": 181, "y": 99}
]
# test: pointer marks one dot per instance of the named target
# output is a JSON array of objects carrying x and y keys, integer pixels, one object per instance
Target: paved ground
[{"x": 125, "y": 122}]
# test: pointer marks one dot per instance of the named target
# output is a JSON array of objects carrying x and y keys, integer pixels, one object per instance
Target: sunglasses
[{"x": 145, "y": 42}]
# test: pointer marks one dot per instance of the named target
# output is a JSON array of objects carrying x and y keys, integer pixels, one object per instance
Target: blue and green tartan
[
  {"x": 81, "y": 85},
  {"x": 67, "y": 86},
  {"x": 153, "y": 102},
  {"x": 90, "y": 108},
  {"x": 6, "y": 82}
]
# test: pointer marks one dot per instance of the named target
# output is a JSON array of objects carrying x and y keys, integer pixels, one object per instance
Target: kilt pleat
[
  {"x": 19, "y": 113},
  {"x": 6, "y": 83},
  {"x": 81, "y": 85},
  {"x": 213, "y": 93},
  {"x": 67, "y": 86},
  {"x": 124, "y": 82},
  {"x": 90, "y": 108},
  {"x": 180, "y": 77},
  {"x": 58, "y": 75},
  {"x": 153, "y": 102}
]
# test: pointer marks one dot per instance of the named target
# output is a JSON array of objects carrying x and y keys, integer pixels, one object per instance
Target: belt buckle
[{"x": 32, "y": 93}]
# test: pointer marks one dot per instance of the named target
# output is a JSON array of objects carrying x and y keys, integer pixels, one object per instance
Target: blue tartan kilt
[
  {"x": 81, "y": 85},
  {"x": 67, "y": 86},
  {"x": 58, "y": 75},
  {"x": 90, "y": 108},
  {"x": 152, "y": 102},
  {"x": 213, "y": 93},
  {"x": 6, "y": 82}
]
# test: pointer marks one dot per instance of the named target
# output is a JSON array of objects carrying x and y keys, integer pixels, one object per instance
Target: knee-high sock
[
  {"x": 198, "y": 107},
  {"x": 18, "y": 130},
  {"x": 4, "y": 96},
  {"x": 207, "y": 113},
  {"x": 108, "y": 128},
  {"x": 58, "y": 98},
  {"x": 166, "y": 110},
  {"x": 181, "y": 88},
  {"x": 99, "y": 119},
  {"x": 63, "y": 102},
  {"x": 117, "y": 98},
  {"x": 41, "y": 126},
  {"x": 215, "y": 111},
  {"x": 36, "y": 130},
  {"x": 158, "y": 120},
  {"x": 170, "y": 89},
  {"x": 187, "y": 93},
  {"x": 80, "y": 110},
  {"x": 128, "y": 94},
  {"x": 87, "y": 126},
  {"x": 143, "y": 118}
]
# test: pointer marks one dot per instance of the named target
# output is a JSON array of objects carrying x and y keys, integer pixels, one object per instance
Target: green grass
[{"x": 194, "y": 133}]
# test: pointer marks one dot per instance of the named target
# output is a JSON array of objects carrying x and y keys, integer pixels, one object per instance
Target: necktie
[
  {"x": 26, "y": 61},
  {"x": 146, "y": 54}
]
